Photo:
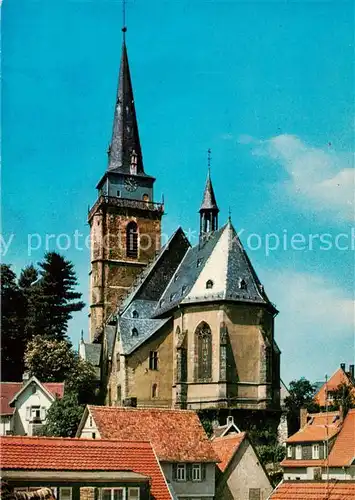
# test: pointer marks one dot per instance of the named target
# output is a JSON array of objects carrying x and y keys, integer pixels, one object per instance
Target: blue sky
[{"x": 267, "y": 85}]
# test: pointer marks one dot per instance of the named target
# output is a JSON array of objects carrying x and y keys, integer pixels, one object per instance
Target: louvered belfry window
[
  {"x": 132, "y": 240},
  {"x": 203, "y": 341}
]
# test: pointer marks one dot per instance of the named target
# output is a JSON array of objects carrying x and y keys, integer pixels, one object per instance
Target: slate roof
[
  {"x": 134, "y": 332},
  {"x": 9, "y": 391},
  {"x": 231, "y": 266},
  {"x": 92, "y": 353},
  {"x": 176, "y": 435},
  {"x": 226, "y": 447},
  {"x": 320, "y": 427},
  {"x": 209, "y": 199},
  {"x": 43, "y": 453},
  {"x": 312, "y": 490},
  {"x": 343, "y": 451},
  {"x": 178, "y": 275},
  {"x": 339, "y": 377}
]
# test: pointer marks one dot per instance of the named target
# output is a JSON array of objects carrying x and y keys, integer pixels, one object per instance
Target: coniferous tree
[
  {"x": 28, "y": 283},
  {"x": 12, "y": 325},
  {"x": 56, "y": 300}
]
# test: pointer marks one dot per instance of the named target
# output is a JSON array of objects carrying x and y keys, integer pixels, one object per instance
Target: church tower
[{"x": 125, "y": 222}]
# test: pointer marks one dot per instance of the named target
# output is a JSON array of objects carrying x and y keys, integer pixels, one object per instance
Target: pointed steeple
[
  {"x": 124, "y": 154},
  {"x": 209, "y": 209}
]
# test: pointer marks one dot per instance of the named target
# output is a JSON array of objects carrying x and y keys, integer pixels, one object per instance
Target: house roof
[
  {"x": 339, "y": 377},
  {"x": 320, "y": 427},
  {"x": 40, "y": 453},
  {"x": 343, "y": 451},
  {"x": 176, "y": 435},
  {"x": 302, "y": 463},
  {"x": 226, "y": 447},
  {"x": 9, "y": 391},
  {"x": 312, "y": 490}
]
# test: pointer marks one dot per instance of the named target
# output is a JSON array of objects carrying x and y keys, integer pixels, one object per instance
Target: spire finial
[
  {"x": 124, "y": 27},
  {"x": 229, "y": 213},
  {"x": 209, "y": 159},
  {"x": 82, "y": 336}
]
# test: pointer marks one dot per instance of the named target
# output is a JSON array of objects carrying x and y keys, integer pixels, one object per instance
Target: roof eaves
[{"x": 30, "y": 381}]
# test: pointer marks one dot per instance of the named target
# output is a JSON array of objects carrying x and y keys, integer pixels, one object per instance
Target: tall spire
[
  {"x": 124, "y": 154},
  {"x": 209, "y": 208}
]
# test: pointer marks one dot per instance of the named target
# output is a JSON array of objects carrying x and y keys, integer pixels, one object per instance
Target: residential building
[
  {"x": 240, "y": 475},
  {"x": 314, "y": 490},
  {"x": 185, "y": 453},
  {"x": 83, "y": 469},
  {"x": 323, "y": 448},
  {"x": 185, "y": 326},
  {"x": 24, "y": 405},
  {"x": 325, "y": 393}
]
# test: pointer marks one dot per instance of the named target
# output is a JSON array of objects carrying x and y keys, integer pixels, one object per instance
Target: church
[{"x": 177, "y": 326}]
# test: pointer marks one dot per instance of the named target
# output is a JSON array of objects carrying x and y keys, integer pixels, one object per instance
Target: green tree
[
  {"x": 63, "y": 416},
  {"x": 343, "y": 396},
  {"x": 56, "y": 299},
  {"x": 301, "y": 394},
  {"x": 12, "y": 326}
]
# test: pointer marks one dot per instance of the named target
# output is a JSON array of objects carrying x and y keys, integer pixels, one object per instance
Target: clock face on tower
[{"x": 130, "y": 184}]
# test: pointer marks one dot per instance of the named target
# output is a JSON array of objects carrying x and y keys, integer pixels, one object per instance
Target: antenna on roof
[{"x": 124, "y": 27}]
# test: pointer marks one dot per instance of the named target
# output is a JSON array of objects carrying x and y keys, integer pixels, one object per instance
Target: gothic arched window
[
  {"x": 132, "y": 240},
  {"x": 209, "y": 284},
  {"x": 154, "y": 390},
  {"x": 203, "y": 346}
]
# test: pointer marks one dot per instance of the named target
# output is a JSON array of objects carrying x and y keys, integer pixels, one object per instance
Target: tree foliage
[
  {"x": 301, "y": 394},
  {"x": 40, "y": 302},
  {"x": 12, "y": 326},
  {"x": 63, "y": 417},
  {"x": 343, "y": 397},
  {"x": 56, "y": 300}
]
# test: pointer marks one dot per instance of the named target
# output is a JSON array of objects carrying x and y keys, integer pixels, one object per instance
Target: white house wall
[
  {"x": 25, "y": 400},
  {"x": 89, "y": 430}
]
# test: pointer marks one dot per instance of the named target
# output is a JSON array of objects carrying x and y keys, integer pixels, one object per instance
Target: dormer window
[
  {"x": 134, "y": 332},
  {"x": 162, "y": 302},
  {"x": 209, "y": 284},
  {"x": 298, "y": 452},
  {"x": 242, "y": 284},
  {"x": 135, "y": 314},
  {"x": 199, "y": 262},
  {"x": 315, "y": 451},
  {"x": 183, "y": 289},
  {"x": 172, "y": 297}
]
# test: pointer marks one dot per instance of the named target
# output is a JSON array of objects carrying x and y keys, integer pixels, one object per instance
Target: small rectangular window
[
  {"x": 315, "y": 451},
  {"x": 65, "y": 494},
  {"x": 118, "y": 362},
  {"x": 196, "y": 472},
  {"x": 181, "y": 472},
  {"x": 118, "y": 194},
  {"x": 133, "y": 494},
  {"x": 298, "y": 452},
  {"x": 153, "y": 360},
  {"x": 93, "y": 435}
]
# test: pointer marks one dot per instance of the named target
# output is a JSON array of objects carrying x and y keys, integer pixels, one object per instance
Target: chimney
[
  {"x": 230, "y": 420},
  {"x": 303, "y": 417},
  {"x": 342, "y": 366},
  {"x": 25, "y": 377},
  {"x": 351, "y": 372}
]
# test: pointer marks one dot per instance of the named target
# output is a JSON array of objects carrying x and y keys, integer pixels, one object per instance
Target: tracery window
[
  {"x": 132, "y": 240},
  {"x": 203, "y": 343}
]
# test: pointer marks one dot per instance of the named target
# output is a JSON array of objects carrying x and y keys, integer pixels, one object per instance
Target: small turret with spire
[{"x": 209, "y": 209}]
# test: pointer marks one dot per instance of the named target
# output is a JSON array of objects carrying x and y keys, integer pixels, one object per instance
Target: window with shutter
[
  {"x": 174, "y": 472},
  {"x": 203, "y": 472},
  {"x": 188, "y": 472},
  {"x": 43, "y": 413}
]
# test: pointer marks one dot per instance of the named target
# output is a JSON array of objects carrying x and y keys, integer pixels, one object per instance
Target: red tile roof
[
  {"x": 339, "y": 377},
  {"x": 320, "y": 427},
  {"x": 176, "y": 435},
  {"x": 311, "y": 490},
  {"x": 8, "y": 391},
  {"x": 287, "y": 462},
  {"x": 343, "y": 451},
  {"x": 226, "y": 447},
  {"x": 40, "y": 453}
]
